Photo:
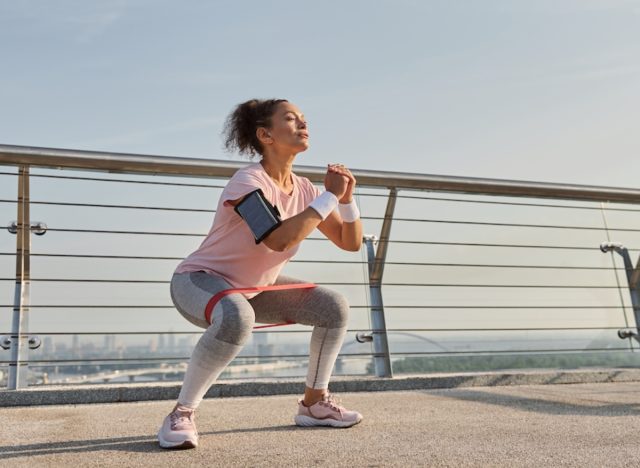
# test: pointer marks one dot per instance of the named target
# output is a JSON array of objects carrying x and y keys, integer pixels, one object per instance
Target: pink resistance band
[{"x": 276, "y": 287}]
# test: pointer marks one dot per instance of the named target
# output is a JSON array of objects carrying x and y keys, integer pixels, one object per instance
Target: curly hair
[{"x": 240, "y": 127}]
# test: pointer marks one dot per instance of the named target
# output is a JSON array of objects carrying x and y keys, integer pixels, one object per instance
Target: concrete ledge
[{"x": 113, "y": 393}]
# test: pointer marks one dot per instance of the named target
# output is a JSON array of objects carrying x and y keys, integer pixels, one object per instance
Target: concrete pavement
[{"x": 592, "y": 424}]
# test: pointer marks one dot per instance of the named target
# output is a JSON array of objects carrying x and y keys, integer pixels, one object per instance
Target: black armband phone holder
[{"x": 260, "y": 215}]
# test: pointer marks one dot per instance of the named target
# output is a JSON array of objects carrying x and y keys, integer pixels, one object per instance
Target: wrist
[
  {"x": 349, "y": 212},
  {"x": 324, "y": 204},
  {"x": 332, "y": 193}
]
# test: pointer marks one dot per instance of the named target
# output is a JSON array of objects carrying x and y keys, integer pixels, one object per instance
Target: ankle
[
  {"x": 311, "y": 398},
  {"x": 183, "y": 409}
]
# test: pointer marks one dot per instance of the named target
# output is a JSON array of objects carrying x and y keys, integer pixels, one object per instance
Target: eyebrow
[{"x": 291, "y": 112}]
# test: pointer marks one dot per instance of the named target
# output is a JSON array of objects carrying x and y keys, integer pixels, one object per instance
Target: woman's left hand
[{"x": 351, "y": 180}]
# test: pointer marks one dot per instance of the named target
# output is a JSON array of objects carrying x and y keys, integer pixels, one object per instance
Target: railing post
[
  {"x": 19, "y": 339},
  {"x": 376, "y": 259},
  {"x": 633, "y": 280}
]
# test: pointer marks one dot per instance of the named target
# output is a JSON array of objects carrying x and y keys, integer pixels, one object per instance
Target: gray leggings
[{"x": 234, "y": 316}]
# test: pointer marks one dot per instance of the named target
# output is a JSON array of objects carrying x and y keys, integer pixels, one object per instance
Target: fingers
[
  {"x": 348, "y": 178},
  {"x": 336, "y": 167},
  {"x": 335, "y": 176},
  {"x": 341, "y": 169},
  {"x": 336, "y": 183}
]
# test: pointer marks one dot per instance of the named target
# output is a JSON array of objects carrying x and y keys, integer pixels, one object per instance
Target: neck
[{"x": 278, "y": 167}]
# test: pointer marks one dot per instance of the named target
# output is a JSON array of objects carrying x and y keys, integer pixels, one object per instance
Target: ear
[{"x": 264, "y": 136}]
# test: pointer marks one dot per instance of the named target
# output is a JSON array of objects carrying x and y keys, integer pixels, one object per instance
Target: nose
[{"x": 302, "y": 124}]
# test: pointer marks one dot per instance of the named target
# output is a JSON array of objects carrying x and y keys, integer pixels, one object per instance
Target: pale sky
[{"x": 543, "y": 90}]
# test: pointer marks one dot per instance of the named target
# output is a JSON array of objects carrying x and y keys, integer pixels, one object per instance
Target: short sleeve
[{"x": 242, "y": 183}]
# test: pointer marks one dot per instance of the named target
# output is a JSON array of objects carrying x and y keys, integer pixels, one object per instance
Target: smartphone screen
[{"x": 260, "y": 216}]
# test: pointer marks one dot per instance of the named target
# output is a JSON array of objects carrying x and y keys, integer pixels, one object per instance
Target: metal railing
[{"x": 445, "y": 294}]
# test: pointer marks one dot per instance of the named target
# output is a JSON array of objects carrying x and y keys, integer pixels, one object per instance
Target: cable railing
[{"x": 475, "y": 272}]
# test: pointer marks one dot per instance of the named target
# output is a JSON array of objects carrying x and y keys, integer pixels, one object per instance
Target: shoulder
[
  {"x": 246, "y": 180},
  {"x": 251, "y": 172},
  {"x": 252, "y": 175}
]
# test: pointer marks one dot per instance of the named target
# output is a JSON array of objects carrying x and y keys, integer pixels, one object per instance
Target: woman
[{"x": 233, "y": 256}]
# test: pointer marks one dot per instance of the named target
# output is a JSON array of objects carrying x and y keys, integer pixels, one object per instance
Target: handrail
[
  {"x": 167, "y": 165},
  {"x": 381, "y": 184}
]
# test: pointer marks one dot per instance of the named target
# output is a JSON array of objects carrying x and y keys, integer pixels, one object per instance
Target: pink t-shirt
[{"x": 229, "y": 250}]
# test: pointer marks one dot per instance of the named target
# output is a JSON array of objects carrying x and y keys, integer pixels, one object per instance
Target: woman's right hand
[{"x": 336, "y": 183}]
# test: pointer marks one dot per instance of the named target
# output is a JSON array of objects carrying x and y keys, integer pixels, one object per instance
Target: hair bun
[{"x": 243, "y": 122}]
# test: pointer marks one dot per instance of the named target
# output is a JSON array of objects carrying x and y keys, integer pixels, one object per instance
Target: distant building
[
  {"x": 47, "y": 344},
  {"x": 109, "y": 342},
  {"x": 75, "y": 344}
]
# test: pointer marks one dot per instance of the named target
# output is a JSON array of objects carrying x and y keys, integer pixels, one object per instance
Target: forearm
[
  {"x": 351, "y": 236},
  {"x": 293, "y": 230}
]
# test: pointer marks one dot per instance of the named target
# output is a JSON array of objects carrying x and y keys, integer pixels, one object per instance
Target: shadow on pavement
[
  {"x": 125, "y": 444},
  {"x": 540, "y": 405}
]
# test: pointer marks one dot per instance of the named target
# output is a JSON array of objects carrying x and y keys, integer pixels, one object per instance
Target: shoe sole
[
  {"x": 306, "y": 421},
  {"x": 185, "y": 444}
]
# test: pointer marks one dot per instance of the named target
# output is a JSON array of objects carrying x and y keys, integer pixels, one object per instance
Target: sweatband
[
  {"x": 324, "y": 204},
  {"x": 349, "y": 212}
]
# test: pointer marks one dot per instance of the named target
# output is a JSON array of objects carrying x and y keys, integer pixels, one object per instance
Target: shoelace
[
  {"x": 181, "y": 420},
  {"x": 334, "y": 403}
]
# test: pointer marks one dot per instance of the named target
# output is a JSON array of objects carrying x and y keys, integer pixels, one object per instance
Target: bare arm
[
  {"x": 293, "y": 230},
  {"x": 347, "y": 236}
]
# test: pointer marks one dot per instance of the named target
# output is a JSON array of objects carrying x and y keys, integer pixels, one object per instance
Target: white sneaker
[
  {"x": 326, "y": 412},
  {"x": 178, "y": 429}
]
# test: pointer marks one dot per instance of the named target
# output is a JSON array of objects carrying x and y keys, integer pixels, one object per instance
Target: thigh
[
  {"x": 316, "y": 306},
  {"x": 191, "y": 292}
]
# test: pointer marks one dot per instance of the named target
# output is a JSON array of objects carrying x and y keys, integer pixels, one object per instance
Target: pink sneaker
[
  {"x": 178, "y": 429},
  {"x": 326, "y": 412}
]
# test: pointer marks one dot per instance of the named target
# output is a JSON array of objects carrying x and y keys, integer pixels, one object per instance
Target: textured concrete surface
[
  {"x": 112, "y": 393},
  {"x": 592, "y": 424}
]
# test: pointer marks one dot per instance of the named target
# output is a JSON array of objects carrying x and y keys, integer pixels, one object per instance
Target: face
[{"x": 288, "y": 129}]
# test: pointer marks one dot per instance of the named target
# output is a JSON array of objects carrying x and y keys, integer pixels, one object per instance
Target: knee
[
  {"x": 233, "y": 322},
  {"x": 336, "y": 310}
]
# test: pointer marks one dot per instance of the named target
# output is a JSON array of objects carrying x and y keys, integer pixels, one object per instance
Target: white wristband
[
  {"x": 324, "y": 204},
  {"x": 349, "y": 212}
]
